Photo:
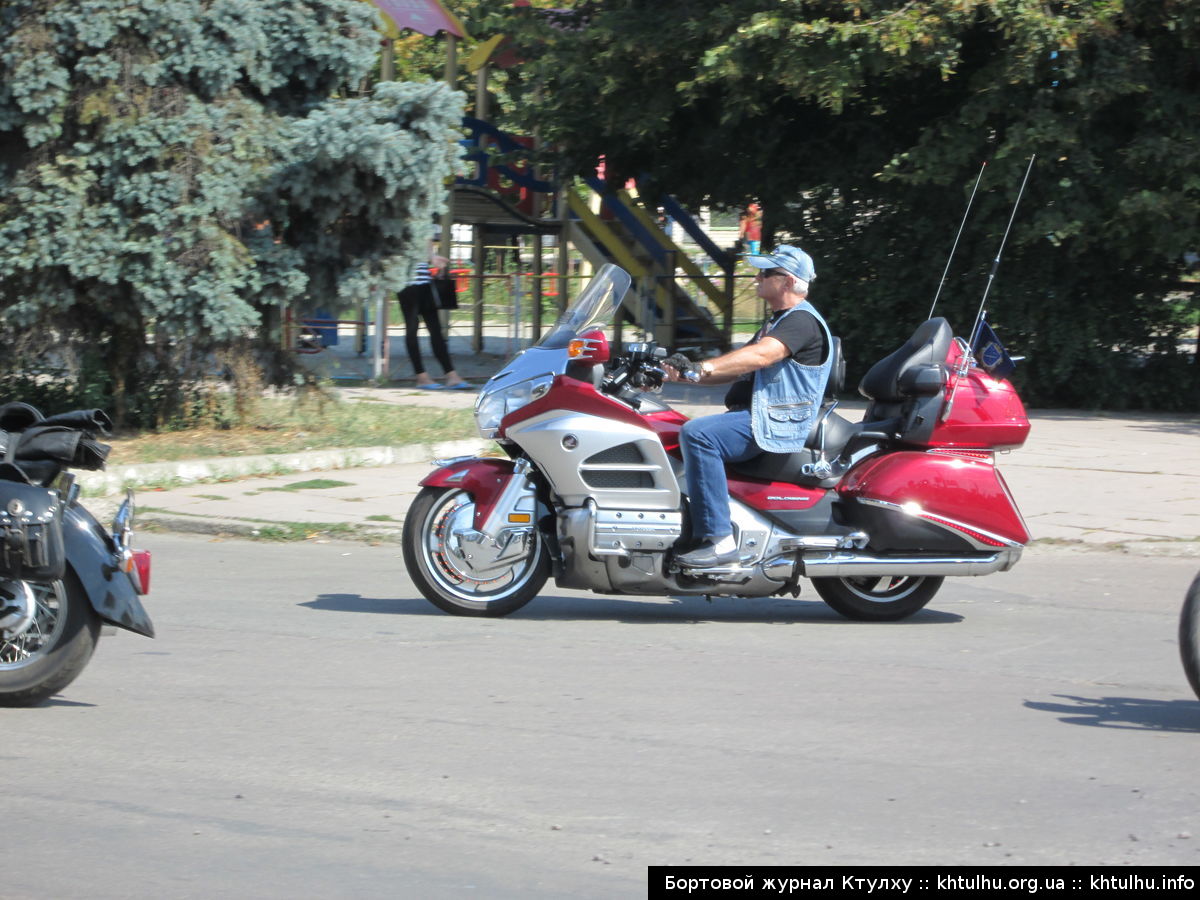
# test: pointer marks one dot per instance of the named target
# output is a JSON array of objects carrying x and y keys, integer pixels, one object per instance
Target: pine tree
[{"x": 173, "y": 173}]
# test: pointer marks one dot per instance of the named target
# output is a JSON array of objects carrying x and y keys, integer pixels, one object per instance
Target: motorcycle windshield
[{"x": 593, "y": 308}]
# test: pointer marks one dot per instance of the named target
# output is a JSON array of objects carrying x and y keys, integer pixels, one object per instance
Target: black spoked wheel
[
  {"x": 465, "y": 576},
  {"x": 1189, "y": 635},
  {"x": 47, "y": 635},
  {"x": 886, "y": 598}
]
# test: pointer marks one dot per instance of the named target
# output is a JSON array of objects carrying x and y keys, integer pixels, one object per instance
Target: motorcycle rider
[{"x": 778, "y": 381}]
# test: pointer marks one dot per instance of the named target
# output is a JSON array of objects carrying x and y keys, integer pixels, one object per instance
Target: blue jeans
[{"x": 707, "y": 444}]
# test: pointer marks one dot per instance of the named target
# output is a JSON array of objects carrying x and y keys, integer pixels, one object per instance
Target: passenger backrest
[
  {"x": 928, "y": 346},
  {"x": 837, "y": 371}
]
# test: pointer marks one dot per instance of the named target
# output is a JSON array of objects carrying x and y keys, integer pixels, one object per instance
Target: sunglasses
[{"x": 770, "y": 273}]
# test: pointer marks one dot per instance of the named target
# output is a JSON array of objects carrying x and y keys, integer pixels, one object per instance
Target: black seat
[
  {"x": 905, "y": 389},
  {"x": 906, "y": 386},
  {"x": 889, "y": 380},
  {"x": 829, "y": 434}
]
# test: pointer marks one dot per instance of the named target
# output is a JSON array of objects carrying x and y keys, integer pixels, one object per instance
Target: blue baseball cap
[{"x": 791, "y": 259}]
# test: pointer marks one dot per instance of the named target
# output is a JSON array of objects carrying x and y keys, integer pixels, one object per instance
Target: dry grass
[{"x": 288, "y": 426}]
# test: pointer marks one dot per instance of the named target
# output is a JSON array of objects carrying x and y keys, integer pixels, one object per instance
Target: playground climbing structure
[{"x": 682, "y": 299}]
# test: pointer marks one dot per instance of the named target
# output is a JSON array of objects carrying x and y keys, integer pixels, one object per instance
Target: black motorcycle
[
  {"x": 62, "y": 576},
  {"x": 1189, "y": 635}
]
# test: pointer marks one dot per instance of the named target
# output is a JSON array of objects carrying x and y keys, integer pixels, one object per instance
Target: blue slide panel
[
  {"x": 692, "y": 227},
  {"x": 631, "y": 222}
]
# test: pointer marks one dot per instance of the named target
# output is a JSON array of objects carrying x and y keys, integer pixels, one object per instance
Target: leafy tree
[
  {"x": 419, "y": 57},
  {"x": 174, "y": 173},
  {"x": 862, "y": 124}
]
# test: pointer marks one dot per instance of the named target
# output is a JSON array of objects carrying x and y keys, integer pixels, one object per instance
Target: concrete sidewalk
[{"x": 1127, "y": 481}]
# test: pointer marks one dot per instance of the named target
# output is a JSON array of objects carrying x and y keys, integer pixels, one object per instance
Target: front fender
[
  {"x": 93, "y": 557},
  {"x": 483, "y": 478}
]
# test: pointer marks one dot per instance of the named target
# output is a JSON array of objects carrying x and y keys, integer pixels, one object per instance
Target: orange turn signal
[{"x": 591, "y": 346}]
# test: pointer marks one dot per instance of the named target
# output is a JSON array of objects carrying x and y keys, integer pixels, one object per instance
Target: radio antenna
[
  {"x": 962, "y": 225},
  {"x": 996, "y": 261}
]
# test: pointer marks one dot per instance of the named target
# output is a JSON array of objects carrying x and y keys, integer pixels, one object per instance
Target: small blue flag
[{"x": 990, "y": 353}]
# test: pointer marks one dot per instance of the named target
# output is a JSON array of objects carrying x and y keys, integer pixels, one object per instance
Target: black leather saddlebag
[{"x": 31, "y": 536}]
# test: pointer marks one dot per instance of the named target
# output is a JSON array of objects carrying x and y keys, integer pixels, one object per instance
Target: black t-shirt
[{"x": 800, "y": 332}]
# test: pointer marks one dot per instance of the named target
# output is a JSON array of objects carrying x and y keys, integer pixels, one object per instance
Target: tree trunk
[{"x": 127, "y": 349}]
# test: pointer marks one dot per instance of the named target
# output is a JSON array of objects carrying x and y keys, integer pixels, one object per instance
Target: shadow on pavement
[
  {"x": 1124, "y": 712},
  {"x": 1183, "y": 426},
  {"x": 59, "y": 701},
  {"x": 1150, "y": 421},
  {"x": 609, "y": 609}
]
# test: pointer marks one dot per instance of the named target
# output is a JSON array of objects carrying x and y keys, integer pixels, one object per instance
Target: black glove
[{"x": 679, "y": 363}]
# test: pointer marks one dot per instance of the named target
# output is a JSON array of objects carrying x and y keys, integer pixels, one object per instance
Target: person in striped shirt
[{"x": 418, "y": 301}]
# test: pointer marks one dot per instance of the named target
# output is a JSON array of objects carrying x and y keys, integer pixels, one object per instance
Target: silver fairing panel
[{"x": 617, "y": 464}]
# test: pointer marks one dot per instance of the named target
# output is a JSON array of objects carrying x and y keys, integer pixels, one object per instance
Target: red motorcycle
[{"x": 875, "y": 514}]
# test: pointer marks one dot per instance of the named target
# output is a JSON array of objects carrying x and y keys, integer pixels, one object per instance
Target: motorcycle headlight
[{"x": 493, "y": 406}]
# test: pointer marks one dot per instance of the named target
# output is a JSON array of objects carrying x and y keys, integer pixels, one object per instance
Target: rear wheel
[
  {"x": 47, "y": 635},
  {"x": 878, "y": 598},
  {"x": 1189, "y": 635},
  {"x": 466, "y": 577}
]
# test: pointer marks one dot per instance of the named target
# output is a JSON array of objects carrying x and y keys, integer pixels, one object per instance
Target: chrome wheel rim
[
  {"x": 475, "y": 570},
  {"x": 38, "y": 628},
  {"x": 883, "y": 589}
]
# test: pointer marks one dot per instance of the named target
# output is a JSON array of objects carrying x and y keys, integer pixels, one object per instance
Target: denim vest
[{"x": 787, "y": 396}]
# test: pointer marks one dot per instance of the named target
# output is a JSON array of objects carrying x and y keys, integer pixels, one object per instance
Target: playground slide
[
  {"x": 676, "y": 301},
  {"x": 680, "y": 304}
]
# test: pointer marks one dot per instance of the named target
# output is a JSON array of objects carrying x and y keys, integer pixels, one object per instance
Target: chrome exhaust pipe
[{"x": 849, "y": 564}]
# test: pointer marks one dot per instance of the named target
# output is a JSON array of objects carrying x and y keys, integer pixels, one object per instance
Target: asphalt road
[{"x": 305, "y": 725}]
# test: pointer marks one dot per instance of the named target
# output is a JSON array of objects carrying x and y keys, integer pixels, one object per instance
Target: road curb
[{"x": 150, "y": 520}]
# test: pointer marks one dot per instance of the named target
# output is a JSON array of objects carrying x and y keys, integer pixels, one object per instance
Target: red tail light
[{"x": 141, "y": 565}]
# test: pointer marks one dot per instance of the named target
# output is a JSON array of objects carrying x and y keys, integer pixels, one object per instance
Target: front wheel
[
  {"x": 878, "y": 599},
  {"x": 1189, "y": 635},
  {"x": 47, "y": 635},
  {"x": 462, "y": 572}
]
